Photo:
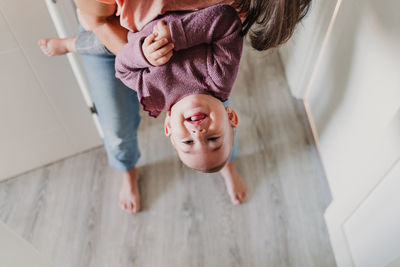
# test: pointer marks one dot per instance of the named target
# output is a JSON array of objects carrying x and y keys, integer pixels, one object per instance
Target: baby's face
[{"x": 202, "y": 131}]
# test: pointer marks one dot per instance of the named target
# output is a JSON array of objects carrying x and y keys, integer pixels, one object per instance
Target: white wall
[
  {"x": 353, "y": 100},
  {"x": 355, "y": 96},
  {"x": 299, "y": 55},
  {"x": 43, "y": 116}
]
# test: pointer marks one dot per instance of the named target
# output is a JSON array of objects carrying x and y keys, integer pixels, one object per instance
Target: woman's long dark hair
[{"x": 273, "y": 21}]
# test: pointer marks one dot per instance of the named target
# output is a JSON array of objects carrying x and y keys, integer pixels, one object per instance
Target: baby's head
[{"x": 202, "y": 131}]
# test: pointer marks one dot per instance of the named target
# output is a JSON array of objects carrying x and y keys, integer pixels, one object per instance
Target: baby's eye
[
  {"x": 188, "y": 142},
  {"x": 213, "y": 139}
]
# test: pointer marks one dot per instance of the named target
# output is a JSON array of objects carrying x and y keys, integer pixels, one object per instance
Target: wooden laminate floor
[{"x": 69, "y": 210}]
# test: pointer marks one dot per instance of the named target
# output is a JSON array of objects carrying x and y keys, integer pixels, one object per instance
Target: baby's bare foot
[
  {"x": 56, "y": 46},
  {"x": 235, "y": 184},
  {"x": 129, "y": 196}
]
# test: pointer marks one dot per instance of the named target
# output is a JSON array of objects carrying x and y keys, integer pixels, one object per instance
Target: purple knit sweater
[{"x": 207, "y": 50}]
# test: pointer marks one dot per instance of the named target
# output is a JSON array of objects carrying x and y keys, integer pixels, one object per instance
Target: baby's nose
[{"x": 199, "y": 131}]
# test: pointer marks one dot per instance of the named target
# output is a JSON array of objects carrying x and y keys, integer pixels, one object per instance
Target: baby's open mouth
[{"x": 197, "y": 118}]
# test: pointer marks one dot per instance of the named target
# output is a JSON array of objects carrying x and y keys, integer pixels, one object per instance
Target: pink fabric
[
  {"x": 108, "y": 2},
  {"x": 134, "y": 14}
]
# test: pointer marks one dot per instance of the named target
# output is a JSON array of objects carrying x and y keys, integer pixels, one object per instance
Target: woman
[{"x": 118, "y": 106}]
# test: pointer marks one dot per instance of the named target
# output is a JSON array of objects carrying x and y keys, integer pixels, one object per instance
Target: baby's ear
[
  {"x": 232, "y": 116},
  {"x": 167, "y": 125}
]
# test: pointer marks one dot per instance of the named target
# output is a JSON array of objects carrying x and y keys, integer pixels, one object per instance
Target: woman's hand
[{"x": 157, "y": 47}]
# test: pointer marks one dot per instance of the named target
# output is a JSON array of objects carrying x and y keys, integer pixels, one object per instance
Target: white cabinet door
[
  {"x": 43, "y": 116},
  {"x": 373, "y": 231},
  {"x": 353, "y": 99},
  {"x": 355, "y": 96}
]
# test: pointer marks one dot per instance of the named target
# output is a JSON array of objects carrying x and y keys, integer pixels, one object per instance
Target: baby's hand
[
  {"x": 157, "y": 47},
  {"x": 162, "y": 31}
]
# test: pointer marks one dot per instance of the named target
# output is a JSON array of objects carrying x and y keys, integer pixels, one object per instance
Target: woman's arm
[
  {"x": 111, "y": 34},
  {"x": 101, "y": 19}
]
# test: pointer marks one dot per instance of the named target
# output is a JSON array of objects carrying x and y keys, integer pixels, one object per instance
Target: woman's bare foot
[
  {"x": 57, "y": 46},
  {"x": 129, "y": 196},
  {"x": 235, "y": 185}
]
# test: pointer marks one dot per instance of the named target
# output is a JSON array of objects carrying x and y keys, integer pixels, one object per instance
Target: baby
[
  {"x": 193, "y": 85},
  {"x": 183, "y": 63}
]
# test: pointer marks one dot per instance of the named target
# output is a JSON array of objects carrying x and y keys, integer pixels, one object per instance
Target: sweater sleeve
[
  {"x": 204, "y": 26},
  {"x": 130, "y": 61},
  {"x": 221, "y": 29}
]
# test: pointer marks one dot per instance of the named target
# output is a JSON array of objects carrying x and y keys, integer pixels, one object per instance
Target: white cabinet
[
  {"x": 353, "y": 100},
  {"x": 43, "y": 116},
  {"x": 373, "y": 229}
]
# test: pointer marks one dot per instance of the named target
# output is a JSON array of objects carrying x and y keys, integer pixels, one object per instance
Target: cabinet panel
[
  {"x": 373, "y": 230},
  {"x": 31, "y": 134},
  {"x": 24, "y": 108},
  {"x": 43, "y": 115},
  {"x": 355, "y": 96},
  {"x": 7, "y": 40},
  {"x": 54, "y": 74},
  {"x": 354, "y": 105}
]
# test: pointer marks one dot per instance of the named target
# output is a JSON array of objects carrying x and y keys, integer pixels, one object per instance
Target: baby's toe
[
  {"x": 136, "y": 206},
  {"x": 42, "y": 42},
  {"x": 134, "y": 209},
  {"x": 239, "y": 198},
  {"x": 235, "y": 199}
]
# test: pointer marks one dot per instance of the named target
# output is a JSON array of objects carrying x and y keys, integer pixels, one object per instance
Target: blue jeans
[
  {"x": 118, "y": 109},
  {"x": 86, "y": 43}
]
